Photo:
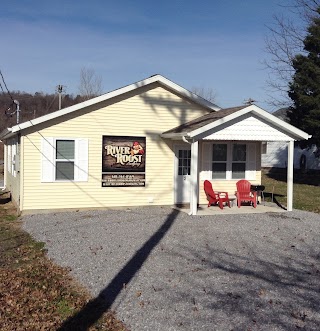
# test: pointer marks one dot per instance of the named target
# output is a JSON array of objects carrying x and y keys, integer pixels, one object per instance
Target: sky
[{"x": 217, "y": 44}]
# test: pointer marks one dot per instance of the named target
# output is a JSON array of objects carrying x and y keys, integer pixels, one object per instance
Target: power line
[
  {"x": 2, "y": 88},
  {"x": 6, "y": 86}
]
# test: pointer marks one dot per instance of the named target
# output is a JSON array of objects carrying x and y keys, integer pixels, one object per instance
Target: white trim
[
  {"x": 250, "y": 163},
  {"x": 48, "y": 160},
  {"x": 153, "y": 79},
  {"x": 4, "y": 167},
  {"x": 290, "y": 130},
  {"x": 290, "y": 176},
  {"x": 194, "y": 182}
]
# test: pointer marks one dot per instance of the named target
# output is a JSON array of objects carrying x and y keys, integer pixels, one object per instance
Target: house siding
[
  {"x": 248, "y": 127},
  {"x": 146, "y": 112}
]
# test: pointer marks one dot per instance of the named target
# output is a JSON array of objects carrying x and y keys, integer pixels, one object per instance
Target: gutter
[{"x": 5, "y": 133}]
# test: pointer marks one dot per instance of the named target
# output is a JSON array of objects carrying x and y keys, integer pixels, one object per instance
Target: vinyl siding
[
  {"x": 148, "y": 113},
  {"x": 249, "y": 127}
]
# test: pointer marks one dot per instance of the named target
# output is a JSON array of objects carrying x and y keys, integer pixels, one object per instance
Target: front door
[{"x": 182, "y": 174}]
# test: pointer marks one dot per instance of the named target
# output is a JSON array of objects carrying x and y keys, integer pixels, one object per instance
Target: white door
[{"x": 182, "y": 174}]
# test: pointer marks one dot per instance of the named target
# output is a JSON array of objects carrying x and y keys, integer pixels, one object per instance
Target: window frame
[
  {"x": 219, "y": 161},
  {"x": 250, "y": 169},
  {"x": 238, "y": 162},
  {"x": 48, "y": 160},
  {"x": 64, "y": 160}
]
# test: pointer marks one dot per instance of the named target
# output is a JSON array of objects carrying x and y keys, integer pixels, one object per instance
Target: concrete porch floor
[{"x": 215, "y": 210}]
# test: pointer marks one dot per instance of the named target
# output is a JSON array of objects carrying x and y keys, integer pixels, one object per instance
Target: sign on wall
[{"x": 123, "y": 161}]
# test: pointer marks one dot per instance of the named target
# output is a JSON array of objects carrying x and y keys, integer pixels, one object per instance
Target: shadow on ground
[
  {"x": 95, "y": 308},
  {"x": 308, "y": 177}
]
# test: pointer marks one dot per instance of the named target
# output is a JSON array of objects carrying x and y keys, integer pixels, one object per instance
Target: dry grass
[{"x": 35, "y": 294}]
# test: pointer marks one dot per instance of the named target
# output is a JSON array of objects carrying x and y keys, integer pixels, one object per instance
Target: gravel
[{"x": 161, "y": 269}]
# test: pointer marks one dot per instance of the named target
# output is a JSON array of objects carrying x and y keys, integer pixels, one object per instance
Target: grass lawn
[
  {"x": 35, "y": 294},
  {"x": 306, "y": 188}
]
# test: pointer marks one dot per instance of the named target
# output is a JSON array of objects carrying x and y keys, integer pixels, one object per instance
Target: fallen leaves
[{"x": 35, "y": 294}]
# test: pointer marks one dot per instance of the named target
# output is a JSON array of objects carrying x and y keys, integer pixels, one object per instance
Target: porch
[
  {"x": 203, "y": 210},
  {"x": 239, "y": 129}
]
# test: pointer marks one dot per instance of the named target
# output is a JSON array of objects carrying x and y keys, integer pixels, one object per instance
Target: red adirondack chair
[
  {"x": 244, "y": 193},
  {"x": 215, "y": 198}
]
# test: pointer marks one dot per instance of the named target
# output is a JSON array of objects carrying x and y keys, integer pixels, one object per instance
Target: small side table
[{"x": 232, "y": 198}]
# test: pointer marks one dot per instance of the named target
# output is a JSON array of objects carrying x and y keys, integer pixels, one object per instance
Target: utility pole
[
  {"x": 16, "y": 102},
  {"x": 60, "y": 90},
  {"x": 16, "y": 111}
]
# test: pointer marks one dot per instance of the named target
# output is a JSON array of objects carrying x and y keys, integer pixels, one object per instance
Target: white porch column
[
  {"x": 290, "y": 176},
  {"x": 194, "y": 185}
]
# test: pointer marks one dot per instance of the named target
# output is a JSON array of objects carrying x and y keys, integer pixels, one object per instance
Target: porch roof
[{"x": 214, "y": 121}]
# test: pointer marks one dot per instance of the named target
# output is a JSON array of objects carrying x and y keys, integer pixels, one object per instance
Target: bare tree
[
  {"x": 206, "y": 93},
  {"x": 90, "y": 83},
  {"x": 284, "y": 41}
]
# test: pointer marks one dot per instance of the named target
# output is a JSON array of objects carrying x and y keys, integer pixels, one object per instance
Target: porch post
[
  {"x": 290, "y": 176},
  {"x": 194, "y": 186}
]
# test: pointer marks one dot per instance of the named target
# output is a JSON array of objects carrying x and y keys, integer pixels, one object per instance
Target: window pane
[
  {"x": 219, "y": 152},
  {"x": 239, "y": 152},
  {"x": 64, "y": 170},
  {"x": 219, "y": 170},
  {"x": 238, "y": 170},
  {"x": 65, "y": 149}
]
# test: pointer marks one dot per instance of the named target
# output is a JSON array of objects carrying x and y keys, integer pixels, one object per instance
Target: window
[
  {"x": 219, "y": 161},
  {"x": 228, "y": 161},
  {"x": 64, "y": 159},
  {"x": 239, "y": 159},
  {"x": 184, "y": 162}
]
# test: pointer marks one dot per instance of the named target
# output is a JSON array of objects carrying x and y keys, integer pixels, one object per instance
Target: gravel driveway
[{"x": 164, "y": 270}]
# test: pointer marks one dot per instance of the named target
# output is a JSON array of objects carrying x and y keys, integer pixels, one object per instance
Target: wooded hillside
[{"x": 31, "y": 106}]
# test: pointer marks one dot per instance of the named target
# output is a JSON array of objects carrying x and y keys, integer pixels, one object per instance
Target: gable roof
[
  {"x": 214, "y": 119},
  {"x": 145, "y": 82},
  {"x": 202, "y": 121}
]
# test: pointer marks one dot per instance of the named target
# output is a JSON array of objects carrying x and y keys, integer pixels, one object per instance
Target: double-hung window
[
  {"x": 227, "y": 160},
  {"x": 239, "y": 159},
  {"x": 219, "y": 161},
  {"x": 64, "y": 159}
]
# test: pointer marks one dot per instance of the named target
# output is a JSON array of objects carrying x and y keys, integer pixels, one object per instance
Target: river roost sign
[{"x": 123, "y": 161}]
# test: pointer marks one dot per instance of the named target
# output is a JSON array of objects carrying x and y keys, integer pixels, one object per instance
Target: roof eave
[
  {"x": 153, "y": 79},
  {"x": 291, "y": 130},
  {"x": 6, "y": 133},
  {"x": 174, "y": 135}
]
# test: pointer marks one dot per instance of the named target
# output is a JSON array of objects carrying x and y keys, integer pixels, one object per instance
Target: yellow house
[{"x": 149, "y": 143}]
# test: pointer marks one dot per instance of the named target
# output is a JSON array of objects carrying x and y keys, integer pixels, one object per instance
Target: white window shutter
[
  {"x": 81, "y": 162},
  {"x": 13, "y": 157},
  {"x": 9, "y": 149},
  {"x": 251, "y": 162},
  {"x": 48, "y": 160},
  {"x": 206, "y": 167}
]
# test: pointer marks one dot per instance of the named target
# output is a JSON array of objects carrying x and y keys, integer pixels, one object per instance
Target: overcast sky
[{"x": 216, "y": 44}]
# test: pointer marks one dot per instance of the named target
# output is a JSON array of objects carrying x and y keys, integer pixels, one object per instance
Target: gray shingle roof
[{"x": 204, "y": 120}]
